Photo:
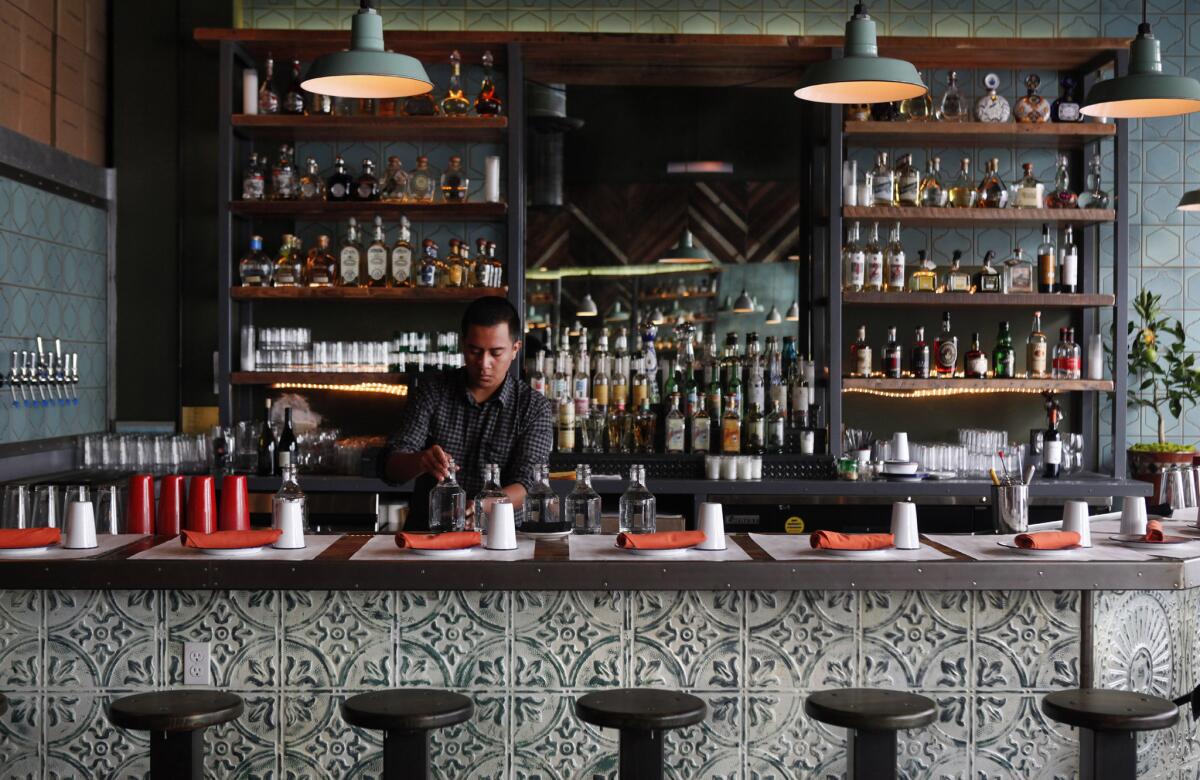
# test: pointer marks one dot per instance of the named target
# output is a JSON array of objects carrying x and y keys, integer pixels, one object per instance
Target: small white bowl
[{"x": 900, "y": 467}]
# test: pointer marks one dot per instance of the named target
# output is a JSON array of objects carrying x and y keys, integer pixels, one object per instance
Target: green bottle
[{"x": 1004, "y": 359}]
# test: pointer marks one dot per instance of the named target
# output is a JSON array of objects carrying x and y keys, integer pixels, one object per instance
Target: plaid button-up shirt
[{"x": 513, "y": 428}]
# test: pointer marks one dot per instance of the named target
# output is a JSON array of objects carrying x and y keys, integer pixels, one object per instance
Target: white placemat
[
  {"x": 1104, "y": 529},
  {"x": 383, "y": 548},
  {"x": 173, "y": 550},
  {"x": 796, "y": 547},
  {"x": 987, "y": 548},
  {"x": 603, "y": 547},
  {"x": 104, "y": 543}
]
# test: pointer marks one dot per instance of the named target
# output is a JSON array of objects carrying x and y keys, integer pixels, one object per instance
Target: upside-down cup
[
  {"x": 202, "y": 505},
  {"x": 170, "y": 505},
  {"x": 235, "y": 504},
  {"x": 139, "y": 519}
]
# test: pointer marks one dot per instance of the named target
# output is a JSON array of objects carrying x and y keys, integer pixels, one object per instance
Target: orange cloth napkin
[
  {"x": 1154, "y": 532},
  {"x": 664, "y": 540},
  {"x": 832, "y": 540},
  {"x": 230, "y": 540},
  {"x": 452, "y": 540},
  {"x": 24, "y": 538},
  {"x": 1047, "y": 540}
]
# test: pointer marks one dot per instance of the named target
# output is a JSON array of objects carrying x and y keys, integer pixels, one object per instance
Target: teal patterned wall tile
[
  {"x": 549, "y": 741},
  {"x": 338, "y": 640},
  {"x": 783, "y": 23},
  {"x": 102, "y": 640},
  {"x": 951, "y": 25},
  {"x": 993, "y": 25},
  {"x": 618, "y": 21},
  {"x": 241, "y": 628},
  {"x": 20, "y": 637},
  {"x": 571, "y": 21},
  {"x": 80, "y": 742},
  {"x": 21, "y": 735},
  {"x": 905, "y": 649}
]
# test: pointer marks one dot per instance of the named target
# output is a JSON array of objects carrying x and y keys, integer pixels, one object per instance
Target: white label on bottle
[
  {"x": 862, "y": 364},
  {"x": 401, "y": 264},
  {"x": 308, "y": 190},
  {"x": 807, "y": 440},
  {"x": 896, "y": 270},
  {"x": 1037, "y": 358},
  {"x": 881, "y": 191},
  {"x": 947, "y": 354},
  {"x": 858, "y": 269},
  {"x": 1052, "y": 452},
  {"x": 675, "y": 434},
  {"x": 337, "y": 190},
  {"x": 755, "y": 396},
  {"x": 875, "y": 269},
  {"x": 534, "y": 516},
  {"x": 700, "y": 436},
  {"x": 428, "y": 274},
  {"x": 1070, "y": 268},
  {"x": 1029, "y": 197},
  {"x": 376, "y": 262},
  {"x": 910, "y": 190},
  {"x": 779, "y": 395},
  {"x": 349, "y": 265},
  {"x": 977, "y": 365},
  {"x": 366, "y": 190}
]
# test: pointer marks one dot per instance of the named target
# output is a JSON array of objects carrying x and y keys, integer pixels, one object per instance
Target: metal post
[
  {"x": 641, "y": 755},
  {"x": 870, "y": 755},
  {"x": 515, "y": 261},
  {"x": 834, "y": 334},
  {"x": 406, "y": 755},
  {"x": 1120, "y": 280},
  {"x": 177, "y": 755},
  {"x": 224, "y": 234}
]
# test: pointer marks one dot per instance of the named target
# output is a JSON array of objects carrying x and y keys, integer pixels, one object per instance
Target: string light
[
  {"x": 941, "y": 392},
  {"x": 362, "y": 387}
]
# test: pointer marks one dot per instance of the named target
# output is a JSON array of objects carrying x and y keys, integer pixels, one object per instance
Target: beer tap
[
  {"x": 74, "y": 373},
  {"x": 42, "y": 377},
  {"x": 26, "y": 377},
  {"x": 14, "y": 379},
  {"x": 58, "y": 372}
]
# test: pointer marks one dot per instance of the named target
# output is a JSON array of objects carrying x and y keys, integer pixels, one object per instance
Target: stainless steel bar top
[{"x": 965, "y": 564}]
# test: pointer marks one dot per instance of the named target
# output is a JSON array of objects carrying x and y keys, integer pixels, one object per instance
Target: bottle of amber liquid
[{"x": 731, "y": 429}]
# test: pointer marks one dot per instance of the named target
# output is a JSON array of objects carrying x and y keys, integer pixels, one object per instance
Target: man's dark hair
[{"x": 489, "y": 311}]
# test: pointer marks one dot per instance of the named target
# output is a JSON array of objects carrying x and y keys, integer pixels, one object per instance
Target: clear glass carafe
[
  {"x": 448, "y": 504},
  {"x": 488, "y": 497},
  {"x": 582, "y": 508},
  {"x": 543, "y": 509},
  {"x": 637, "y": 505}
]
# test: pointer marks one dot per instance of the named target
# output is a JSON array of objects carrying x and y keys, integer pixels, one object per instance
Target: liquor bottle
[
  {"x": 873, "y": 260},
  {"x": 1065, "y": 108},
  {"x": 321, "y": 267},
  {"x": 394, "y": 187},
  {"x": 340, "y": 183},
  {"x": 776, "y": 387},
  {"x": 933, "y": 193},
  {"x": 455, "y": 103},
  {"x": 676, "y": 427},
  {"x": 537, "y": 375},
  {"x": 945, "y": 350},
  {"x": 495, "y": 267},
  {"x": 776, "y": 433},
  {"x": 1051, "y": 440},
  {"x": 1068, "y": 264},
  {"x": 917, "y": 109},
  {"x": 1074, "y": 356},
  {"x": 886, "y": 111},
  {"x": 731, "y": 428},
  {"x": 636, "y": 509},
  {"x": 489, "y": 496},
  {"x": 420, "y": 105},
  {"x": 894, "y": 260},
  {"x": 287, "y": 439},
  {"x": 853, "y": 261},
  {"x": 992, "y": 192},
  {"x": 565, "y": 440},
  {"x": 617, "y": 427},
  {"x": 754, "y": 437},
  {"x": 644, "y": 428},
  {"x": 428, "y": 274},
  {"x": 992, "y": 107},
  {"x": 962, "y": 191},
  {"x": 639, "y": 384},
  {"x": 350, "y": 258},
  {"x": 600, "y": 384},
  {"x": 1018, "y": 274},
  {"x": 976, "y": 364},
  {"x": 312, "y": 186},
  {"x": 1062, "y": 197},
  {"x": 919, "y": 362},
  {"x": 254, "y": 180},
  {"x": 266, "y": 445},
  {"x": 543, "y": 509},
  {"x": 1095, "y": 197},
  {"x": 1004, "y": 361},
  {"x": 255, "y": 267},
  {"x": 957, "y": 280},
  {"x": 455, "y": 182},
  {"x": 798, "y": 396},
  {"x": 289, "y": 266},
  {"x": 701, "y": 436},
  {"x": 581, "y": 378},
  {"x": 293, "y": 99},
  {"x": 422, "y": 182},
  {"x": 883, "y": 182},
  {"x": 1047, "y": 264},
  {"x": 284, "y": 185},
  {"x": 860, "y": 354},
  {"x": 402, "y": 256},
  {"x": 1031, "y": 193},
  {"x": 893, "y": 367},
  {"x": 582, "y": 505},
  {"x": 1059, "y": 357},
  {"x": 755, "y": 380},
  {"x": 907, "y": 182},
  {"x": 952, "y": 107},
  {"x": 456, "y": 265},
  {"x": 924, "y": 277},
  {"x": 268, "y": 98},
  {"x": 488, "y": 103},
  {"x": 1035, "y": 351},
  {"x": 1032, "y": 108},
  {"x": 377, "y": 258},
  {"x": 987, "y": 278},
  {"x": 448, "y": 504},
  {"x": 319, "y": 105},
  {"x": 366, "y": 187},
  {"x": 480, "y": 269},
  {"x": 857, "y": 112},
  {"x": 620, "y": 376}
]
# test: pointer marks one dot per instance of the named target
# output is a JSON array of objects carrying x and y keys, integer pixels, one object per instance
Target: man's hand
[{"x": 435, "y": 462}]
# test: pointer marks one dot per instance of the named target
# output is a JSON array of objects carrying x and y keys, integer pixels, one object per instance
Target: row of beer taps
[{"x": 44, "y": 378}]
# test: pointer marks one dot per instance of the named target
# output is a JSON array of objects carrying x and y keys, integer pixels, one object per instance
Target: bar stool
[
  {"x": 3, "y": 704},
  {"x": 641, "y": 715},
  {"x": 176, "y": 721},
  {"x": 406, "y": 716},
  {"x": 1107, "y": 721},
  {"x": 871, "y": 717}
]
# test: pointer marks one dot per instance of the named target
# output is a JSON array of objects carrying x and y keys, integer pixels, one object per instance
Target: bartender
[{"x": 472, "y": 416}]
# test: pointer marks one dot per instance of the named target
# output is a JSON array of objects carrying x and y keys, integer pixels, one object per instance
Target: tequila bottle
[
  {"x": 543, "y": 509},
  {"x": 873, "y": 255},
  {"x": 1030, "y": 192},
  {"x": 952, "y": 107},
  {"x": 565, "y": 440},
  {"x": 894, "y": 259},
  {"x": 489, "y": 496},
  {"x": 455, "y": 182},
  {"x": 1062, "y": 197},
  {"x": 907, "y": 183},
  {"x": 1068, "y": 264},
  {"x": 254, "y": 180},
  {"x": 422, "y": 182},
  {"x": 619, "y": 430},
  {"x": 987, "y": 278},
  {"x": 754, "y": 437},
  {"x": 701, "y": 430},
  {"x": 776, "y": 428},
  {"x": 962, "y": 192},
  {"x": 582, "y": 505},
  {"x": 289, "y": 266},
  {"x": 992, "y": 192},
  {"x": 377, "y": 258},
  {"x": 312, "y": 186},
  {"x": 488, "y": 103},
  {"x": 455, "y": 103},
  {"x": 957, "y": 280},
  {"x": 883, "y": 182},
  {"x": 1018, "y": 273},
  {"x": 1035, "y": 351},
  {"x": 366, "y": 187},
  {"x": 402, "y": 256},
  {"x": 933, "y": 194},
  {"x": 919, "y": 363},
  {"x": 1047, "y": 263},
  {"x": 428, "y": 276},
  {"x": 283, "y": 176},
  {"x": 340, "y": 183},
  {"x": 945, "y": 350},
  {"x": 1066, "y": 108},
  {"x": 255, "y": 267},
  {"x": 924, "y": 276},
  {"x": 676, "y": 427},
  {"x": 645, "y": 425},
  {"x": 1032, "y": 108},
  {"x": 350, "y": 258},
  {"x": 268, "y": 98},
  {"x": 731, "y": 428},
  {"x": 1095, "y": 197},
  {"x": 636, "y": 510},
  {"x": 321, "y": 266},
  {"x": 293, "y": 99},
  {"x": 976, "y": 364},
  {"x": 448, "y": 504},
  {"x": 853, "y": 261},
  {"x": 860, "y": 354},
  {"x": 893, "y": 361},
  {"x": 495, "y": 267},
  {"x": 394, "y": 188},
  {"x": 992, "y": 107}
]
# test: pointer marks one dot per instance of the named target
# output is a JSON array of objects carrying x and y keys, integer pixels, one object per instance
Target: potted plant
[{"x": 1163, "y": 379}]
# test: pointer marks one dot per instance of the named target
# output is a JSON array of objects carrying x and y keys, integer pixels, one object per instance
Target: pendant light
[
  {"x": 617, "y": 314},
  {"x": 1190, "y": 201},
  {"x": 793, "y": 312},
  {"x": 657, "y": 317},
  {"x": 686, "y": 251},
  {"x": 861, "y": 75},
  {"x": 743, "y": 304},
  {"x": 366, "y": 69},
  {"x": 1145, "y": 91},
  {"x": 587, "y": 308},
  {"x": 773, "y": 317}
]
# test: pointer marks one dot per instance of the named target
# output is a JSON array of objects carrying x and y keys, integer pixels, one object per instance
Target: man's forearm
[
  {"x": 403, "y": 466},
  {"x": 516, "y": 494}
]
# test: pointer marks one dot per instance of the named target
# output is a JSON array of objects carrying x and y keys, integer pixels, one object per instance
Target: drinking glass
[
  {"x": 109, "y": 517},
  {"x": 1073, "y": 445},
  {"x": 17, "y": 511},
  {"x": 246, "y": 457},
  {"x": 46, "y": 506},
  {"x": 73, "y": 493}
]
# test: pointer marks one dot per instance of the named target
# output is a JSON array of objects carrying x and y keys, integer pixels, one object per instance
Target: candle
[
  {"x": 249, "y": 91},
  {"x": 1095, "y": 357},
  {"x": 491, "y": 179}
]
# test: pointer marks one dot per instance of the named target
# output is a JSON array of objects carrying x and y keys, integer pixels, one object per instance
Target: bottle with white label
[
  {"x": 1068, "y": 264},
  {"x": 377, "y": 258},
  {"x": 402, "y": 256},
  {"x": 350, "y": 258},
  {"x": 1051, "y": 442},
  {"x": 582, "y": 505},
  {"x": 853, "y": 261},
  {"x": 894, "y": 260},
  {"x": 860, "y": 354},
  {"x": 883, "y": 182},
  {"x": 873, "y": 257}
]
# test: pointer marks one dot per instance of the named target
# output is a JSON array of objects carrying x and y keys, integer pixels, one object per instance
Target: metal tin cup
[{"x": 1010, "y": 509}]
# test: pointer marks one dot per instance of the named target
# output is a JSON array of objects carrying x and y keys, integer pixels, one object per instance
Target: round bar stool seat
[
  {"x": 1108, "y": 722},
  {"x": 176, "y": 721},
  {"x": 641, "y": 715},
  {"x": 406, "y": 716},
  {"x": 871, "y": 716}
]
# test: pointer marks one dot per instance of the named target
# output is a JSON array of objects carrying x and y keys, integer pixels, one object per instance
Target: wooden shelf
[
  {"x": 315, "y": 377},
  {"x": 284, "y": 127},
  {"x": 317, "y": 210},
  {"x": 916, "y": 215},
  {"x": 963, "y": 300},
  {"x": 1061, "y": 135},
  {"x": 674, "y": 297},
  {"x": 993, "y": 385},
  {"x": 413, "y": 294}
]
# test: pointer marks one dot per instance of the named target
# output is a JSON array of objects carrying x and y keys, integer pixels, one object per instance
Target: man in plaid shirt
[{"x": 475, "y": 415}]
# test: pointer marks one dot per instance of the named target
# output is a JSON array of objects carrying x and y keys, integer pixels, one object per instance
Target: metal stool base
[
  {"x": 641, "y": 755},
  {"x": 405, "y": 755},
  {"x": 870, "y": 755},
  {"x": 1107, "y": 755},
  {"x": 177, "y": 755}
]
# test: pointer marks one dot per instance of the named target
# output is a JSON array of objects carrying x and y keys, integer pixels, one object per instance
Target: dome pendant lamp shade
[
  {"x": 686, "y": 251},
  {"x": 366, "y": 69},
  {"x": 1145, "y": 91},
  {"x": 1190, "y": 201},
  {"x": 743, "y": 304},
  {"x": 861, "y": 75}
]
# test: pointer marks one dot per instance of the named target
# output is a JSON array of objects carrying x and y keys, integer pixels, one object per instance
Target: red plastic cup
[
  {"x": 170, "y": 505},
  {"x": 139, "y": 517},
  {"x": 202, "y": 505},
  {"x": 235, "y": 504}
]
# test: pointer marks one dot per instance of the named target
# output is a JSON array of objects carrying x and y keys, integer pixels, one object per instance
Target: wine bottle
[
  {"x": 266, "y": 446},
  {"x": 287, "y": 438},
  {"x": 1052, "y": 448}
]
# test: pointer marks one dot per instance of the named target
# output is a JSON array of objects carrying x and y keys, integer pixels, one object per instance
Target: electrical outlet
[{"x": 195, "y": 664}]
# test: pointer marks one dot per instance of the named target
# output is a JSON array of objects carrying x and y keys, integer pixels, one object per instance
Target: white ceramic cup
[
  {"x": 745, "y": 467},
  {"x": 729, "y": 467},
  {"x": 1133, "y": 516},
  {"x": 712, "y": 466},
  {"x": 756, "y": 466},
  {"x": 711, "y": 521},
  {"x": 904, "y": 526},
  {"x": 1075, "y": 518},
  {"x": 501, "y": 528},
  {"x": 81, "y": 526},
  {"x": 899, "y": 450},
  {"x": 288, "y": 516}
]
